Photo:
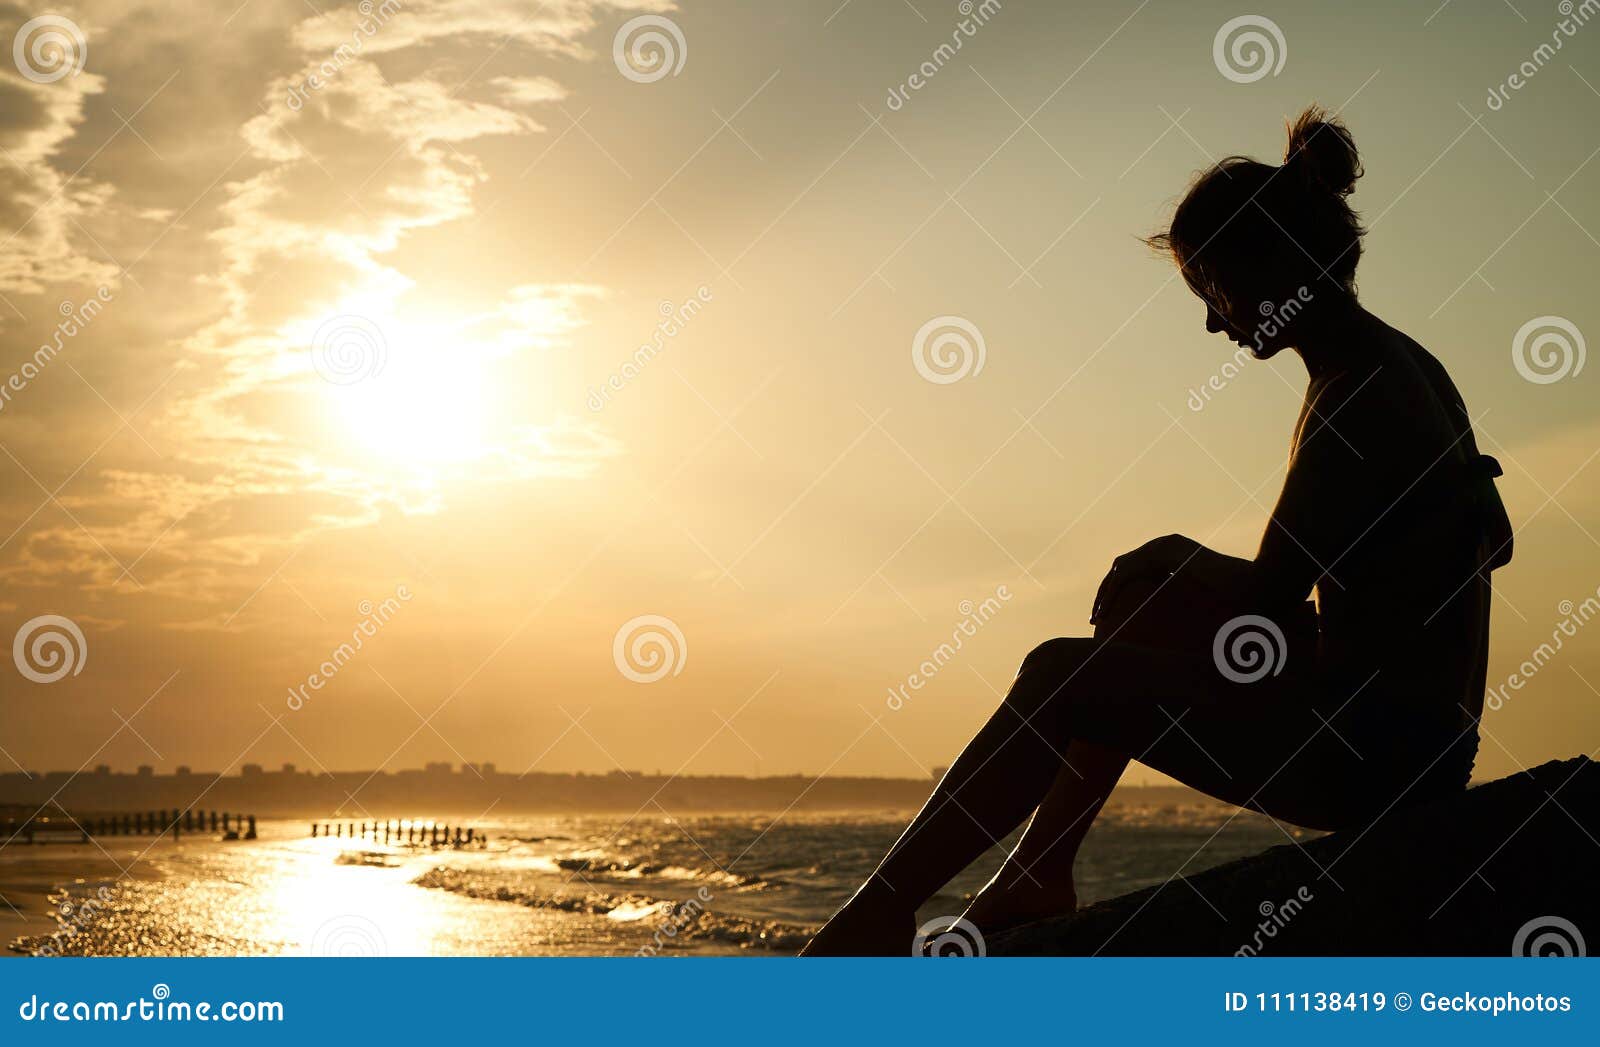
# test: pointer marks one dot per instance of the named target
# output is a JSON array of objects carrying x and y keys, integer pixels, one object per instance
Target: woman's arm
[
  {"x": 1325, "y": 504},
  {"x": 1331, "y": 493}
]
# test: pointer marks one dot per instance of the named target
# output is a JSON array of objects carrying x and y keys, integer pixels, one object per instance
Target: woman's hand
[
  {"x": 1155, "y": 558},
  {"x": 1170, "y": 555}
]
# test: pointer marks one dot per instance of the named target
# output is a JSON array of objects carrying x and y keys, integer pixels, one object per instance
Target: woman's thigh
[{"x": 1260, "y": 743}]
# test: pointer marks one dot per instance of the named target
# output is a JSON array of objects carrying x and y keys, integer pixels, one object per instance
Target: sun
[{"x": 410, "y": 397}]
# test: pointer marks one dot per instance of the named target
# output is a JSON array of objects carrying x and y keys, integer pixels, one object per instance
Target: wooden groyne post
[
  {"x": 411, "y": 833},
  {"x": 138, "y": 823}
]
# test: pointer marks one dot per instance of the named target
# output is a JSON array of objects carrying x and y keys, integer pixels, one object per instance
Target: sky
[{"x": 658, "y": 386}]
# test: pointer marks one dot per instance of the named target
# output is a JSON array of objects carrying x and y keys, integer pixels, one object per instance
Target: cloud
[
  {"x": 528, "y": 90},
  {"x": 366, "y": 131},
  {"x": 43, "y": 207}
]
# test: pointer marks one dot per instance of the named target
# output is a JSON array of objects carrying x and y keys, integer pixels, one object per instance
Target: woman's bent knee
[
  {"x": 1062, "y": 655},
  {"x": 1050, "y": 674}
]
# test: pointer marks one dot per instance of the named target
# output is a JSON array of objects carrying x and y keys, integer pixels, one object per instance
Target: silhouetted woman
[{"x": 1214, "y": 669}]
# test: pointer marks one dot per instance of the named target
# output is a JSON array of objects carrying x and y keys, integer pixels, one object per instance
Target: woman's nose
[{"x": 1214, "y": 321}]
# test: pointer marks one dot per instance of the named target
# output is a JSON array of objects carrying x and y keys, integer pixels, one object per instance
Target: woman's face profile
[
  {"x": 1259, "y": 327},
  {"x": 1217, "y": 322},
  {"x": 1221, "y": 318}
]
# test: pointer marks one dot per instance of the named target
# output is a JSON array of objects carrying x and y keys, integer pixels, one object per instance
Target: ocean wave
[
  {"x": 672, "y": 923},
  {"x": 631, "y": 869},
  {"x": 381, "y": 859},
  {"x": 538, "y": 839}
]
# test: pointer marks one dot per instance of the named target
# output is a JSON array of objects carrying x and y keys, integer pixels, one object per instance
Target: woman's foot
[
  {"x": 1009, "y": 901},
  {"x": 864, "y": 929}
]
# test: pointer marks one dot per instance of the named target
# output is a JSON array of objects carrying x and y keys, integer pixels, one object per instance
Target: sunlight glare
[{"x": 428, "y": 404}]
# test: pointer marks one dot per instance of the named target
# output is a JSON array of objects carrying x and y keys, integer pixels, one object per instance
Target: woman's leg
[
  {"x": 1174, "y": 711},
  {"x": 1000, "y": 777},
  {"x": 1036, "y": 880}
]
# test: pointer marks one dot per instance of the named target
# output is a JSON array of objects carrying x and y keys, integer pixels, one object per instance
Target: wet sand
[{"x": 32, "y": 875}]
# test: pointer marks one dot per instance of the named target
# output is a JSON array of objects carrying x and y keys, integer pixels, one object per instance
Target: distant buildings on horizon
[
  {"x": 440, "y": 788},
  {"x": 435, "y": 768}
]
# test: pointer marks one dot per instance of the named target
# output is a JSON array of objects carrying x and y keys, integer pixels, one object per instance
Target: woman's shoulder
[
  {"x": 1351, "y": 399},
  {"x": 1385, "y": 405}
]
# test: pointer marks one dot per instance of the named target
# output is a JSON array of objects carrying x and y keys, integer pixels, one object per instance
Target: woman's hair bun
[{"x": 1322, "y": 152}]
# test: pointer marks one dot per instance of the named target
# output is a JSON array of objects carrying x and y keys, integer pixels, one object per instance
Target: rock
[{"x": 1506, "y": 867}]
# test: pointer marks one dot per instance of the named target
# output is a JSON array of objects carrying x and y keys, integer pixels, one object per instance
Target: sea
[{"x": 558, "y": 885}]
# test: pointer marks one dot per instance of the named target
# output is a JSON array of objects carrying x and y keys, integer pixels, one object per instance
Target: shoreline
[
  {"x": 590, "y": 885},
  {"x": 28, "y": 881}
]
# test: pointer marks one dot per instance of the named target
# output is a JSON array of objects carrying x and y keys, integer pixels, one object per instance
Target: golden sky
[{"x": 370, "y": 287}]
